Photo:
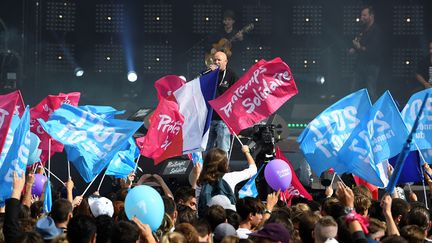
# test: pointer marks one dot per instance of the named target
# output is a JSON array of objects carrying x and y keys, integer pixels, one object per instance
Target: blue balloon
[{"x": 146, "y": 204}]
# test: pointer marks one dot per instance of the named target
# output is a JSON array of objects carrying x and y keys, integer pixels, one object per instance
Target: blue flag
[
  {"x": 34, "y": 152},
  {"x": 90, "y": 141},
  {"x": 250, "y": 189},
  {"x": 324, "y": 136},
  {"x": 406, "y": 148},
  {"x": 123, "y": 163},
  {"x": 16, "y": 158},
  {"x": 106, "y": 112},
  {"x": 380, "y": 136},
  {"x": 47, "y": 201},
  {"x": 411, "y": 169},
  {"x": 197, "y": 158},
  {"x": 9, "y": 138},
  {"x": 423, "y": 135}
]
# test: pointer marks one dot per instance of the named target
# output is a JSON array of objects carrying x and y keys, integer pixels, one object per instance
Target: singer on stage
[{"x": 219, "y": 133}]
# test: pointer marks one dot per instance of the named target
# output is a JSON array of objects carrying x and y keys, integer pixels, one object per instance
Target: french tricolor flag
[{"x": 181, "y": 122}]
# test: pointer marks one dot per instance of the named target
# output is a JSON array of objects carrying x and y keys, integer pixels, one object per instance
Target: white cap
[
  {"x": 101, "y": 206},
  {"x": 221, "y": 200}
]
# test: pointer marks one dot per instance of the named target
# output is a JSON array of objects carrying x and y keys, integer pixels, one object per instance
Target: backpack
[{"x": 208, "y": 190}]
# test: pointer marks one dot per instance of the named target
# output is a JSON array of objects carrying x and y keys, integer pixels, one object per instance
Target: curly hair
[{"x": 214, "y": 167}]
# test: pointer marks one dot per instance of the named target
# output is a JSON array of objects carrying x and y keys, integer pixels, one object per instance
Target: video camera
[{"x": 262, "y": 143}]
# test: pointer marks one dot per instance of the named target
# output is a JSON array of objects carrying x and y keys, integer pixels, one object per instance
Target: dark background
[{"x": 34, "y": 34}]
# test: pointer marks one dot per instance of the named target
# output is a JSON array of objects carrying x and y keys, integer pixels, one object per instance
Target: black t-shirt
[
  {"x": 225, "y": 80},
  {"x": 371, "y": 39},
  {"x": 424, "y": 68}
]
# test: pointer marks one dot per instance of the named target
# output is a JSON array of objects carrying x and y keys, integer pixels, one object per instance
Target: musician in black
[
  {"x": 229, "y": 31},
  {"x": 424, "y": 69},
  {"x": 367, "y": 47},
  {"x": 227, "y": 39}
]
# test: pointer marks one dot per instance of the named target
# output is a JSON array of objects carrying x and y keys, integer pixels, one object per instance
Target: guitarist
[
  {"x": 228, "y": 39},
  {"x": 229, "y": 32},
  {"x": 367, "y": 47},
  {"x": 424, "y": 69}
]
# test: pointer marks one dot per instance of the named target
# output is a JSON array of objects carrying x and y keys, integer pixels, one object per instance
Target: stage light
[
  {"x": 60, "y": 16},
  {"x": 79, "y": 72},
  {"x": 132, "y": 76},
  {"x": 158, "y": 18},
  {"x": 351, "y": 20},
  {"x": 109, "y": 58},
  {"x": 302, "y": 23},
  {"x": 159, "y": 58},
  {"x": 408, "y": 20},
  {"x": 405, "y": 61},
  {"x": 206, "y": 18},
  {"x": 260, "y": 15},
  {"x": 320, "y": 79}
]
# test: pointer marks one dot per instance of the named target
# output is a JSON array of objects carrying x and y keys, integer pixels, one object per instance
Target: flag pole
[
  {"x": 49, "y": 158},
  {"x": 68, "y": 164},
  {"x": 238, "y": 139},
  {"x": 230, "y": 150},
  {"x": 424, "y": 189},
  {"x": 340, "y": 179},
  {"x": 405, "y": 149},
  {"x": 56, "y": 177},
  {"x": 89, "y": 185},
  {"x": 422, "y": 175},
  {"x": 334, "y": 175},
  {"x": 136, "y": 164},
  {"x": 100, "y": 183}
]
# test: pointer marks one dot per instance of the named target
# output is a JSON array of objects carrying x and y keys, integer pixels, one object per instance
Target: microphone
[
  {"x": 206, "y": 71},
  {"x": 209, "y": 69}
]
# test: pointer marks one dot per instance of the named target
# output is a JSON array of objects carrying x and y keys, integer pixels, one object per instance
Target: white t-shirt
[
  {"x": 233, "y": 178},
  {"x": 243, "y": 233}
]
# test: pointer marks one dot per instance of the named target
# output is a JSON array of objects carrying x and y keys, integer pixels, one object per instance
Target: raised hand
[{"x": 345, "y": 195}]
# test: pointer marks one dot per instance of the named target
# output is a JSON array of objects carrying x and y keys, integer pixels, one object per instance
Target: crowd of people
[{"x": 208, "y": 210}]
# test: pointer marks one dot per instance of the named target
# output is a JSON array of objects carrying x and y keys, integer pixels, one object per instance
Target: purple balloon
[
  {"x": 38, "y": 184},
  {"x": 278, "y": 174}
]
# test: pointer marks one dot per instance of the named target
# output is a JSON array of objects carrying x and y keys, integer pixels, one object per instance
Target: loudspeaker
[{"x": 175, "y": 172}]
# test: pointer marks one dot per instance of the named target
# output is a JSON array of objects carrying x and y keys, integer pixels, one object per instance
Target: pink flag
[
  {"x": 43, "y": 110},
  {"x": 165, "y": 86},
  {"x": 264, "y": 88},
  {"x": 9, "y": 104},
  {"x": 181, "y": 123},
  {"x": 164, "y": 135},
  {"x": 296, "y": 189}
]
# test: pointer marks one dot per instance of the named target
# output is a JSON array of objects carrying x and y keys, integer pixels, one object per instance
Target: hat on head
[
  {"x": 274, "y": 232},
  {"x": 47, "y": 228},
  {"x": 229, "y": 14},
  {"x": 223, "y": 230},
  {"x": 101, "y": 206},
  {"x": 221, "y": 200}
]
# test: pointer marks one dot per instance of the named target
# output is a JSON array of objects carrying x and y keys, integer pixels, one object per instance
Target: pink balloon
[
  {"x": 278, "y": 174},
  {"x": 38, "y": 184}
]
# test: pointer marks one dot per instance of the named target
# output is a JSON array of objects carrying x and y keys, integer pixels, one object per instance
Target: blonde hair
[{"x": 173, "y": 237}]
